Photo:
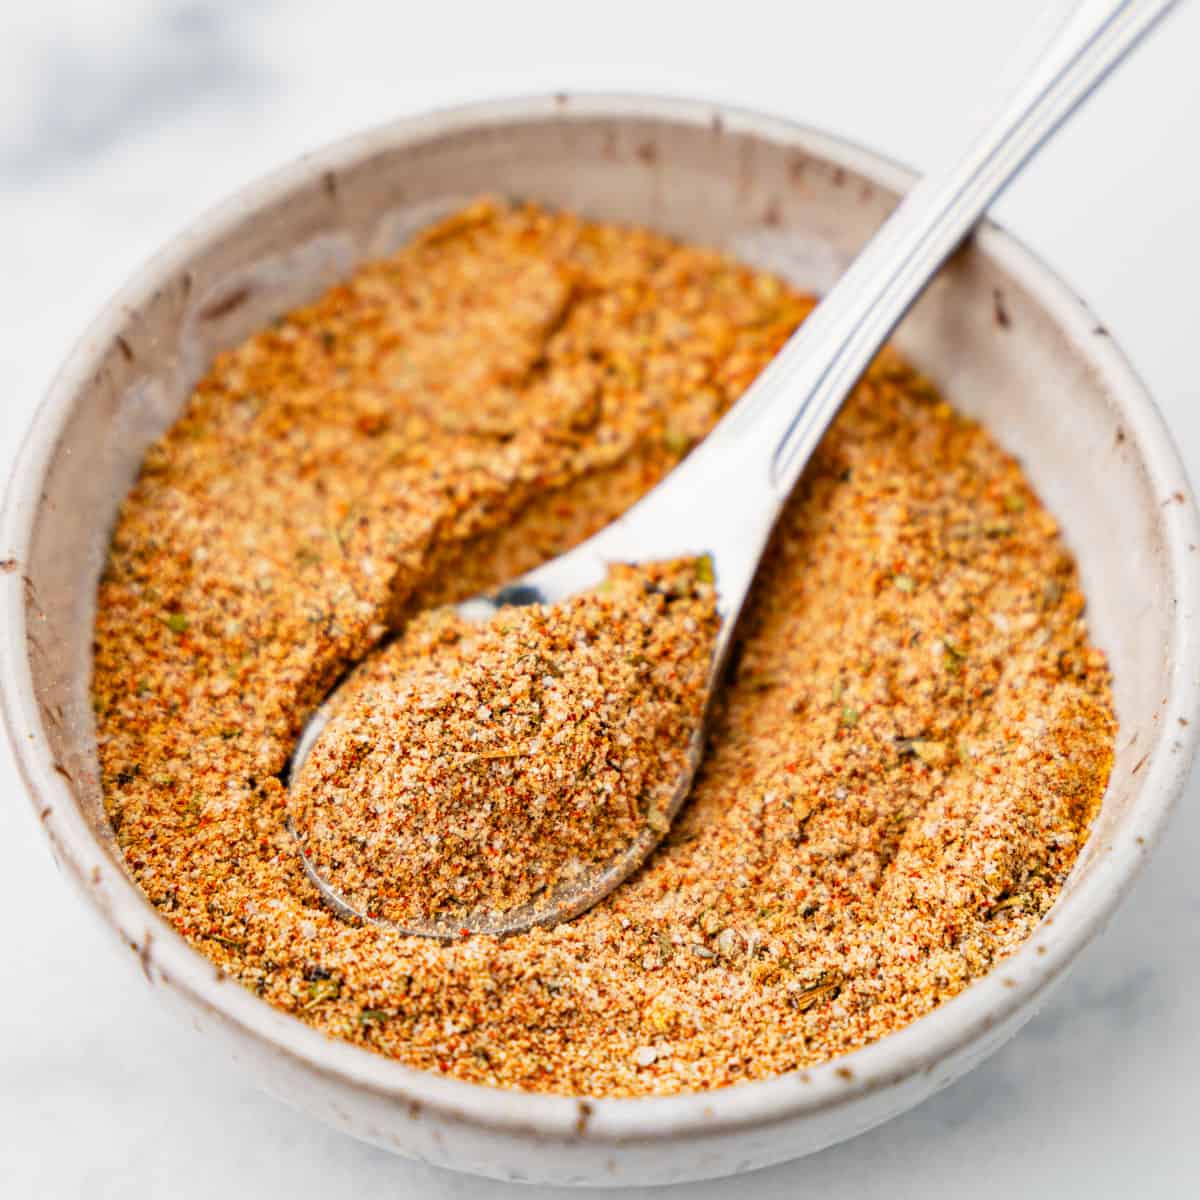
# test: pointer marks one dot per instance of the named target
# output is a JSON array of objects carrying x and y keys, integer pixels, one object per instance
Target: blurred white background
[{"x": 121, "y": 120}]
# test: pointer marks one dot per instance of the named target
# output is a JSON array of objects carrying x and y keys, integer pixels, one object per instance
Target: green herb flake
[
  {"x": 757, "y": 681},
  {"x": 954, "y": 657},
  {"x": 658, "y": 820},
  {"x": 176, "y": 622},
  {"x": 322, "y": 990},
  {"x": 676, "y": 441}
]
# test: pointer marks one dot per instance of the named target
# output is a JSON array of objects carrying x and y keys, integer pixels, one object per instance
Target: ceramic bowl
[{"x": 1004, "y": 338}]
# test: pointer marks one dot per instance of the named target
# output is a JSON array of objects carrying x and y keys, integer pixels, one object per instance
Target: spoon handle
[
  {"x": 726, "y": 495},
  {"x": 837, "y": 342}
]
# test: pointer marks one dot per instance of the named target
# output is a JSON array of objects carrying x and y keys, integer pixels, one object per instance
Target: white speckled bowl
[{"x": 998, "y": 331}]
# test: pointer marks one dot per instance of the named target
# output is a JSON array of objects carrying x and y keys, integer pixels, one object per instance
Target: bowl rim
[{"x": 920, "y": 1046}]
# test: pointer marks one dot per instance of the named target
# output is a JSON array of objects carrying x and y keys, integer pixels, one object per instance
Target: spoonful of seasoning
[{"x": 508, "y": 762}]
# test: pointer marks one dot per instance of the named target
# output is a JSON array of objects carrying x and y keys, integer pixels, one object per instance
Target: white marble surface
[{"x": 120, "y": 120}]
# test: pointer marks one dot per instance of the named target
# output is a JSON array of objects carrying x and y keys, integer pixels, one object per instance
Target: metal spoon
[{"x": 723, "y": 500}]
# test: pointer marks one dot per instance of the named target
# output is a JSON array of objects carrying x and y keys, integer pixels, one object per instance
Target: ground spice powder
[
  {"x": 914, "y": 738},
  {"x": 474, "y": 769}
]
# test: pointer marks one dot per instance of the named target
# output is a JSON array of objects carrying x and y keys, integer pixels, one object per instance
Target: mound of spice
[
  {"x": 899, "y": 776},
  {"x": 474, "y": 769}
]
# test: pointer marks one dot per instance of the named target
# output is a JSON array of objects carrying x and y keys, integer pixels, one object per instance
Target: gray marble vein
[{"x": 86, "y": 98}]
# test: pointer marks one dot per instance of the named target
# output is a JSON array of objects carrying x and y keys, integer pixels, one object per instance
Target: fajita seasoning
[
  {"x": 914, "y": 737},
  {"x": 476, "y": 769}
]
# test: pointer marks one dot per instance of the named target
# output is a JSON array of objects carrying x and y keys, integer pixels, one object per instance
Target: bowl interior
[{"x": 798, "y": 205}]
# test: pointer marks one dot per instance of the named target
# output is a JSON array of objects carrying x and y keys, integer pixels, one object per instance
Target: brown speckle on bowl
[
  {"x": 142, "y": 950},
  {"x": 1000, "y": 310},
  {"x": 224, "y": 305}
]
